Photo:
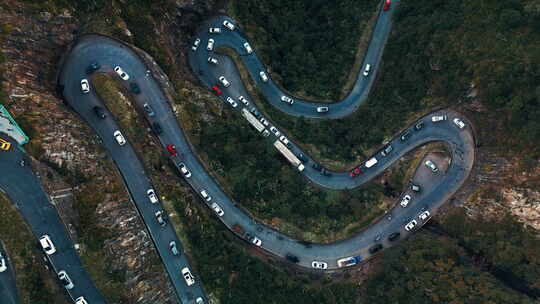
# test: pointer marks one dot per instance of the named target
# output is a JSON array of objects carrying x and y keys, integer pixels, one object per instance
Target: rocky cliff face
[{"x": 32, "y": 43}]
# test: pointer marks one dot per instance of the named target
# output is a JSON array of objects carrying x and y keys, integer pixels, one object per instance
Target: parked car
[
  {"x": 99, "y": 112},
  {"x": 224, "y": 81},
  {"x": 172, "y": 150},
  {"x": 367, "y": 69},
  {"x": 459, "y": 123},
  {"x": 424, "y": 215},
  {"x": 287, "y": 99},
  {"x": 214, "y": 30},
  {"x": 228, "y": 25},
  {"x": 199, "y": 300},
  {"x": 217, "y": 209},
  {"x": 316, "y": 166},
  {"x": 160, "y": 218},
  {"x": 386, "y": 150},
  {"x": 263, "y": 76},
  {"x": 322, "y": 109},
  {"x": 173, "y": 248},
  {"x": 85, "y": 86},
  {"x": 3, "y": 263},
  {"x": 121, "y": 73},
  {"x": 184, "y": 170},
  {"x": 152, "y": 196},
  {"x": 264, "y": 121},
  {"x": 196, "y": 44},
  {"x": 411, "y": 225},
  {"x": 212, "y": 60},
  {"x": 4, "y": 145},
  {"x": 292, "y": 258},
  {"x": 64, "y": 278},
  {"x": 47, "y": 244},
  {"x": 284, "y": 140},
  {"x": 437, "y": 118},
  {"x": 210, "y": 45},
  {"x": 119, "y": 138},
  {"x": 148, "y": 109},
  {"x": 216, "y": 90},
  {"x": 232, "y": 102},
  {"x": 302, "y": 157},
  {"x": 387, "y": 4},
  {"x": 405, "y": 201},
  {"x": 415, "y": 187},
  {"x": 206, "y": 196},
  {"x": 243, "y": 100},
  {"x": 275, "y": 131},
  {"x": 248, "y": 48},
  {"x": 431, "y": 166},
  {"x": 188, "y": 277},
  {"x": 81, "y": 300},
  {"x": 157, "y": 128},
  {"x": 405, "y": 135},
  {"x": 355, "y": 172},
  {"x": 375, "y": 249},
  {"x": 256, "y": 241},
  {"x": 319, "y": 265},
  {"x": 394, "y": 236},
  {"x": 419, "y": 125},
  {"x": 134, "y": 87}
]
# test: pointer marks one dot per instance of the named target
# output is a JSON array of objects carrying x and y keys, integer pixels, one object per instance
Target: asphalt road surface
[
  {"x": 8, "y": 288},
  {"x": 23, "y": 188}
]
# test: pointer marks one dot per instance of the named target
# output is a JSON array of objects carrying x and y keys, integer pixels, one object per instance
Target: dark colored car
[
  {"x": 255, "y": 112},
  {"x": 375, "y": 248},
  {"x": 292, "y": 258},
  {"x": 216, "y": 90},
  {"x": 172, "y": 150},
  {"x": 405, "y": 135},
  {"x": 92, "y": 68},
  {"x": 302, "y": 158},
  {"x": 316, "y": 167},
  {"x": 134, "y": 88},
  {"x": 99, "y": 112},
  {"x": 419, "y": 125},
  {"x": 394, "y": 236},
  {"x": 148, "y": 109},
  {"x": 157, "y": 128},
  {"x": 325, "y": 173}
]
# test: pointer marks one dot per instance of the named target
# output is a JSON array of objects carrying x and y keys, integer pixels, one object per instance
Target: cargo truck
[
  {"x": 289, "y": 155},
  {"x": 254, "y": 122}
]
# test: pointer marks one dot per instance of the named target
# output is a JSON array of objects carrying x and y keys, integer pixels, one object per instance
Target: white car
[
  {"x": 232, "y": 102},
  {"x": 275, "y": 131},
  {"x": 3, "y": 264},
  {"x": 264, "y": 121},
  {"x": 85, "y": 86},
  {"x": 47, "y": 244},
  {"x": 210, "y": 45},
  {"x": 366, "y": 70},
  {"x": 405, "y": 201},
  {"x": 284, "y": 139},
  {"x": 184, "y": 170},
  {"x": 431, "y": 166},
  {"x": 228, "y": 25},
  {"x": 205, "y": 195},
  {"x": 319, "y": 265},
  {"x": 410, "y": 225},
  {"x": 322, "y": 109},
  {"x": 217, "y": 209},
  {"x": 248, "y": 48},
  {"x": 196, "y": 44},
  {"x": 256, "y": 241},
  {"x": 152, "y": 196},
  {"x": 287, "y": 99},
  {"x": 437, "y": 118},
  {"x": 214, "y": 30},
  {"x": 263, "y": 75},
  {"x": 199, "y": 300},
  {"x": 121, "y": 73},
  {"x": 243, "y": 100},
  {"x": 119, "y": 138},
  {"x": 224, "y": 81},
  {"x": 81, "y": 300},
  {"x": 424, "y": 215},
  {"x": 188, "y": 276},
  {"x": 459, "y": 123},
  {"x": 212, "y": 60},
  {"x": 64, "y": 278}
]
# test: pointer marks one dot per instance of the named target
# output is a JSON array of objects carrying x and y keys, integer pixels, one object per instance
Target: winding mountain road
[{"x": 89, "y": 49}]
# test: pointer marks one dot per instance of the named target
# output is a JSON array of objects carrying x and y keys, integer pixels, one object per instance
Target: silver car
[{"x": 431, "y": 166}]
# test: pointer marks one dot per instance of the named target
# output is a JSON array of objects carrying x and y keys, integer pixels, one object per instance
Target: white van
[
  {"x": 366, "y": 69},
  {"x": 371, "y": 162}
]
